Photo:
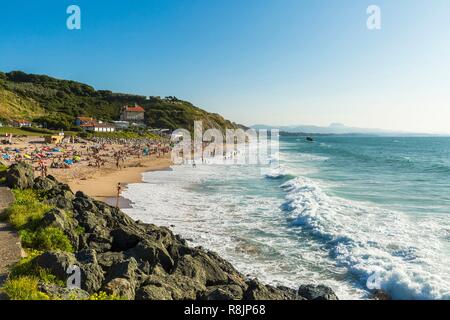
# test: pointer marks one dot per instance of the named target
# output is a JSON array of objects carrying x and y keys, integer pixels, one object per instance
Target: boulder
[
  {"x": 205, "y": 268},
  {"x": 153, "y": 252},
  {"x": 57, "y": 263},
  {"x": 319, "y": 292},
  {"x": 120, "y": 287},
  {"x": 20, "y": 176},
  {"x": 83, "y": 203},
  {"x": 57, "y": 292},
  {"x": 259, "y": 291},
  {"x": 61, "y": 219},
  {"x": 124, "y": 269},
  {"x": 107, "y": 259},
  {"x": 125, "y": 238},
  {"x": 92, "y": 277},
  {"x": 176, "y": 286},
  {"x": 153, "y": 292},
  {"x": 45, "y": 184},
  {"x": 230, "y": 292},
  {"x": 87, "y": 256}
]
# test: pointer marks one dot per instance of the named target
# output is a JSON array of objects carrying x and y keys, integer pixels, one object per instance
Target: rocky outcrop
[
  {"x": 320, "y": 292},
  {"x": 20, "y": 176},
  {"x": 141, "y": 261}
]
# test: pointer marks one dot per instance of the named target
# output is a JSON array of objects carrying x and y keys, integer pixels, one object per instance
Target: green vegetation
[
  {"x": 22, "y": 283},
  {"x": 27, "y": 210},
  {"x": 25, "y": 214},
  {"x": 45, "y": 239},
  {"x": 56, "y": 103},
  {"x": 3, "y": 169},
  {"x": 104, "y": 296},
  {"x": 24, "y": 288}
]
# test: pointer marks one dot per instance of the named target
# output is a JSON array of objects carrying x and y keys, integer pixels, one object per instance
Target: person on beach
[{"x": 119, "y": 190}]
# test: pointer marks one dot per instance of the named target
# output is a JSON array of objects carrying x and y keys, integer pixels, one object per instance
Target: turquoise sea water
[{"x": 356, "y": 213}]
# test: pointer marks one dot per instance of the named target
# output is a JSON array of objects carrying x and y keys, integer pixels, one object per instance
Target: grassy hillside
[{"x": 56, "y": 103}]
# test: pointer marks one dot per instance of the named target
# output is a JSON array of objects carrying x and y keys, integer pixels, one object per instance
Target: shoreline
[{"x": 102, "y": 184}]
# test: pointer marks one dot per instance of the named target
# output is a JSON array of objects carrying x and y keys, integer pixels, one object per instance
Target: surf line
[{"x": 208, "y": 311}]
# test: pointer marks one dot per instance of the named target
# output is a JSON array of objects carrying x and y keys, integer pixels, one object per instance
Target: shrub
[
  {"x": 26, "y": 268},
  {"x": 46, "y": 239},
  {"x": 104, "y": 296},
  {"x": 26, "y": 210},
  {"x": 24, "y": 288}
]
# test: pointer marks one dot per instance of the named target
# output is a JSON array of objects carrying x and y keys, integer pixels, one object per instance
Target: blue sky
[{"x": 254, "y": 61}]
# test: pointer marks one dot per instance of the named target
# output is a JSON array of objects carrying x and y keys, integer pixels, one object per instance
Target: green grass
[
  {"x": 27, "y": 210},
  {"x": 46, "y": 239},
  {"x": 25, "y": 214},
  {"x": 24, "y": 288}
]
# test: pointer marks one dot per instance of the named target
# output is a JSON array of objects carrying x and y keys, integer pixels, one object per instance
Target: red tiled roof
[
  {"x": 135, "y": 109},
  {"x": 85, "y": 119}
]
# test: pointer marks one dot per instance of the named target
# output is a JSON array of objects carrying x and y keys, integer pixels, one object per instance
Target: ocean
[{"x": 355, "y": 213}]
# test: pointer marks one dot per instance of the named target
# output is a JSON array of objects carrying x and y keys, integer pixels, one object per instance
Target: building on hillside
[
  {"x": 79, "y": 121},
  {"x": 133, "y": 114},
  {"x": 21, "y": 123},
  {"x": 98, "y": 127},
  {"x": 121, "y": 125}
]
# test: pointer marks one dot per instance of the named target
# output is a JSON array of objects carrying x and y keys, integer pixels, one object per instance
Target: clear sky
[{"x": 276, "y": 62}]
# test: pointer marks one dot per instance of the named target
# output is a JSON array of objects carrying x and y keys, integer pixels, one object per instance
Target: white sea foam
[
  {"x": 307, "y": 237},
  {"x": 407, "y": 256},
  {"x": 211, "y": 206}
]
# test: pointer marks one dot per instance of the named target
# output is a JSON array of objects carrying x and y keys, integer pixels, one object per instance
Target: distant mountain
[
  {"x": 334, "y": 128},
  {"x": 56, "y": 103}
]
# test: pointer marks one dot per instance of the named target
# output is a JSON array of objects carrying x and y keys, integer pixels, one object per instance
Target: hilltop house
[{"x": 133, "y": 114}]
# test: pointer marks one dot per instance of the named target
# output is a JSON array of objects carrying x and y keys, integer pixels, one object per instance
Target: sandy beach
[
  {"x": 98, "y": 181},
  {"x": 102, "y": 183}
]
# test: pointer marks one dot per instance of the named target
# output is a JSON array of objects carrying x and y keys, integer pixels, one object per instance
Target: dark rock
[
  {"x": 92, "y": 277},
  {"x": 176, "y": 287},
  {"x": 107, "y": 259},
  {"x": 87, "y": 256},
  {"x": 230, "y": 292},
  {"x": 259, "y": 291},
  {"x": 320, "y": 292},
  {"x": 120, "y": 287},
  {"x": 124, "y": 269},
  {"x": 57, "y": 292},
  {"x": 125, "y": 238},
  {"x": 208, "y": 269},
  {"x": 45, "y": 184},
  {"x": 20, "y": 176},
  {"x": 91, "y": 222},
  {"x": 57, "y": 263},
  {"x": 83, "y": 203},
  {"x": 60, "y": 219},
  {"x": 380, "y": 295},
  {"x": 153, "y": 292},
  {"x": 153, "y": 252}
]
